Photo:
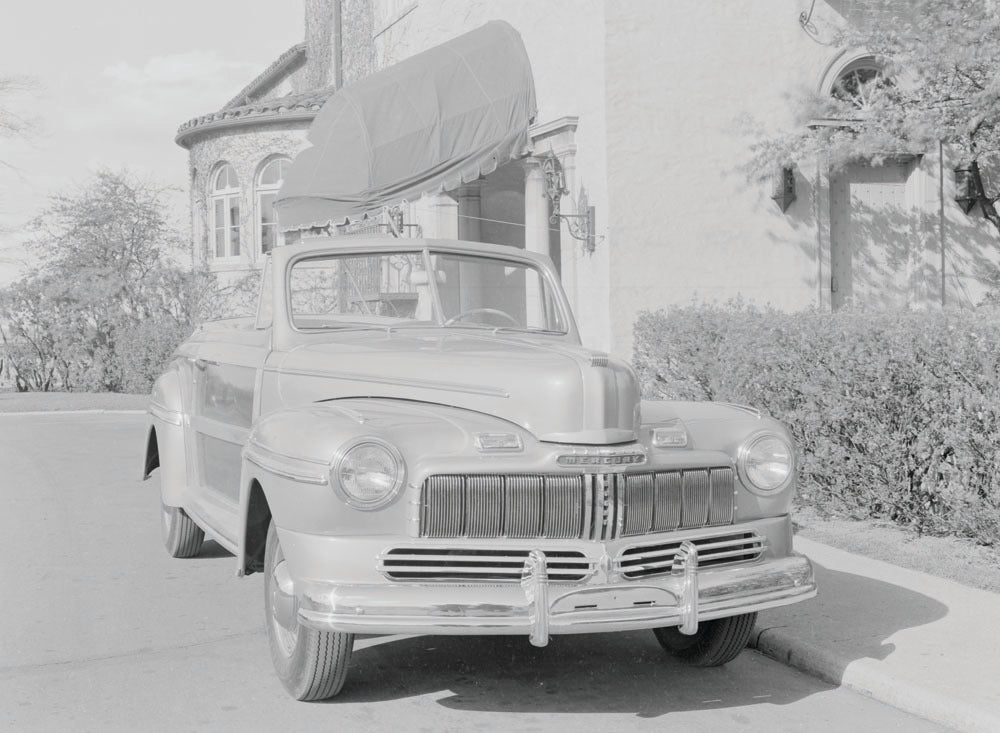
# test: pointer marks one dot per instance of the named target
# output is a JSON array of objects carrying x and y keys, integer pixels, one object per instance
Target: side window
[
  {"x": 265, "y": 306},
  {"x": 269, "y": 180},
  {"x": 225, "y": 202}
]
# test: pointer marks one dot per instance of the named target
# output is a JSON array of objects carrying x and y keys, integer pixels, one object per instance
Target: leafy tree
[
  {"x": 33, "y": 334},
  {"x": 940, "y": 83},
  {"x": 107, "y": 304}
]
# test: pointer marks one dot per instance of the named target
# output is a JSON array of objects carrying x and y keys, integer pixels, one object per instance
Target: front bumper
[{"x": 537, "y": 607}]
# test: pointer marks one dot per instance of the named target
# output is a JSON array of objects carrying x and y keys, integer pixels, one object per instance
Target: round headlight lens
[
  {"x": 766, "y": 463},
  {"x": 369, "y": 473}
]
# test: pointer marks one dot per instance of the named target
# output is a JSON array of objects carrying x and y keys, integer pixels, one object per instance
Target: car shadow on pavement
[
  {"x": 852, "y": 618},
  {"x": 628, "y": 672},
  {"x": 211, "y": 550},
  {"x": 623, "y": 672}
]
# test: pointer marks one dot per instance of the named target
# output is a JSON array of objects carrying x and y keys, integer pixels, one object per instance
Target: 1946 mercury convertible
[{"x": 410, "y": 438}]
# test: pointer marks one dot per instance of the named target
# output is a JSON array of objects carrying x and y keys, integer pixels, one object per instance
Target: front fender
[{"x": 290, "y": 455}]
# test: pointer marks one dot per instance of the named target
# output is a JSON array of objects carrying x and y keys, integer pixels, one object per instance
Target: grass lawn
[{"x": 954, "y": 558}]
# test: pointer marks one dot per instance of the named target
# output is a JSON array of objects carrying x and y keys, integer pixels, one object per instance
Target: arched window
[
  {"x": 860, "y": 83},
  {"x": 226, "y": 212},
  {"x": 268, "y": 182}
]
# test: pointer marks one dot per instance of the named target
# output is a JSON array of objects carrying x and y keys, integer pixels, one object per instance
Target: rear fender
[{"x": 165, "y": 439}]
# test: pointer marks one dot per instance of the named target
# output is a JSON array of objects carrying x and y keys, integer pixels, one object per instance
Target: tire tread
[
  {"x": 717, "y": 642},
  {"x": 184, "y": 538},
  {"x": 317, "y": 669}
]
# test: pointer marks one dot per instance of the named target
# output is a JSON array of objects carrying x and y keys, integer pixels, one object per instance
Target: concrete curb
[
  {"x": 73, "y": 412},
  {"x": 864, "y": 676}
]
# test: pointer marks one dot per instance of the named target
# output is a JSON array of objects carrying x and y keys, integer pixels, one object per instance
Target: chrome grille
[
  {"x": 464, "y": 564},
  {"x": 589, "y": 506},
  {"x": 641, "y": 561}
]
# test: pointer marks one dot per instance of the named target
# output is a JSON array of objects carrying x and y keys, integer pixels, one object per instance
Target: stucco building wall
[{"x": 687, "y": 222}]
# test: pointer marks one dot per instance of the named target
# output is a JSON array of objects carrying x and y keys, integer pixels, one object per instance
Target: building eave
[
  {"x": 282, "y": 110},
  {"x": 185, "y": 137},
  {"x": 286, "y": 63}
]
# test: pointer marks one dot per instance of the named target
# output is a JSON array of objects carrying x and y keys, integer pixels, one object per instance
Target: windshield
[{"x": 422, "y": 288}]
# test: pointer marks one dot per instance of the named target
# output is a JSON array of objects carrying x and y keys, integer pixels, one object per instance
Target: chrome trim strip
[
  {"x": 618, "y": 482},
  {"x": 414, "y": 559},
  {"x": 641, "y": 557},
  {"x": 283, "y": 473},
  {"x": 167, "y": 415},
  {"x": 394, "y": 381},
  {"x": 269, "y": 454}
]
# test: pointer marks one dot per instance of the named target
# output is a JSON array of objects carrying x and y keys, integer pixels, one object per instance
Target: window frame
[
  {"x": 263, "y": 189},
  {"x": 227, "y": 196}
]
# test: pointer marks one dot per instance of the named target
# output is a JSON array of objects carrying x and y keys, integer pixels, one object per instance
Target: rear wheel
[
  {"x": 181, "y": 536},
  {"x": 716, "y": 642},
  {"x": 311, "y": 664}
]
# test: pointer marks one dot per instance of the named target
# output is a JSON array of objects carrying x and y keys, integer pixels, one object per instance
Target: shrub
[
  {"x": 108, "y": 303},
  {"x": 897, "y": 414}
]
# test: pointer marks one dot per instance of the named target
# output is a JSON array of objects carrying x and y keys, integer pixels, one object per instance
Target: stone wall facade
[{"x": 248, "y": 150}]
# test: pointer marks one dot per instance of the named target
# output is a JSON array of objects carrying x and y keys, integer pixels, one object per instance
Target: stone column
[
  {"x": 536, "y": 233},
  {"x": 469, "y": 213},
  {"x": 438, "y": 216},
  {"x": 536, "y": 208}
]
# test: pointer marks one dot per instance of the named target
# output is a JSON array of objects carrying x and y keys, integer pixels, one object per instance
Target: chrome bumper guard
[{"x": 538, "y": 607}]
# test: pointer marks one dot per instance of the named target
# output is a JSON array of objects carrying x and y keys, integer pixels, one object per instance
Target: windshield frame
[{"x": 555, "y": 293}]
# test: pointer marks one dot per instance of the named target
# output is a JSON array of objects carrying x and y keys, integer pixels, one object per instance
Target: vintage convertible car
[{"x": 409, "y": 438}]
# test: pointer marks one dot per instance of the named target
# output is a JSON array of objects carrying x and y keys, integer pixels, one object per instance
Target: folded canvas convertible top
[{"x": 429, "y": 123}]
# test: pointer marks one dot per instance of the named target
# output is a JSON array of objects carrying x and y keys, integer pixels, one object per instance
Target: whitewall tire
[{"x": 311, "y": 664}]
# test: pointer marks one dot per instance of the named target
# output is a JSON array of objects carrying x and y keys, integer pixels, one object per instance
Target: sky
[{"x": 113, "y": 80}]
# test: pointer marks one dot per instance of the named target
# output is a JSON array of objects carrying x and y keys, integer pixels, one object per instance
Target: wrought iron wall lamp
[
  {"x": 582, "y": 225},
  {"x": 783, "y": 192},
  {"x": 965, "y": 189}
]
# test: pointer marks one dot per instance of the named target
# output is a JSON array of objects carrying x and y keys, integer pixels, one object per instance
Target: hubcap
[{"x": 284, "y": 608}]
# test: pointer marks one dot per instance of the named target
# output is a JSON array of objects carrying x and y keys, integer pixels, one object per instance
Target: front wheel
[
  {"x": 311, "y": 664},
  {"x": 715, "y": 643}
]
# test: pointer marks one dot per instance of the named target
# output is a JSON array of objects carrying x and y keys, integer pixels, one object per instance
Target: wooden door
[
  {"x": 872, "y": 228},
  {"x": 224, "y": 375}
]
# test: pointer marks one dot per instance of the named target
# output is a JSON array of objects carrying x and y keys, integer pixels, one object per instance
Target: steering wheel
[{"x": 483, "y": 311}]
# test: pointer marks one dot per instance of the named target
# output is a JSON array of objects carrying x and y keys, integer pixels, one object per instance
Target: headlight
[
  {"x": 766, "y": 463},
  {"x": 369, "y": 473}
]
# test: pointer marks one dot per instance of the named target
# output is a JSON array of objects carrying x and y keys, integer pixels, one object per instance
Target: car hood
[{"x": 559, "y": 392}]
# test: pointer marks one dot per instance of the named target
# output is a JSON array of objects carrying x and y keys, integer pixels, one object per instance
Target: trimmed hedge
[{"x": 896, "y": 414}]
